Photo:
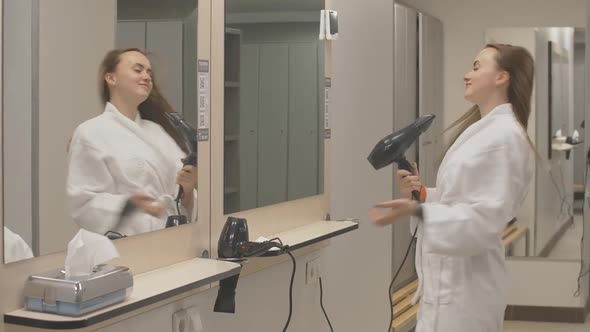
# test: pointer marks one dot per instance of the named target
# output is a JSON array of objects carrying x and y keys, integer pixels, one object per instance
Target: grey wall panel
[
  {"x": 272, "y": 135},
  {"x": 164, "y": 42},
  {"x": 130, "y": 35},
  {"x": 303, "y": 121},
  {"x": 405, "y": 111},
  {"x": 249, "y": 127}
]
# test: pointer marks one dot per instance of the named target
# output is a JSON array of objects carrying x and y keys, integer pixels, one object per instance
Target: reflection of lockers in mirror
[
  {"x": 281, "y": 102},
  {"x": 168, "y": 32},
  {"x": 418, "y": 82}
]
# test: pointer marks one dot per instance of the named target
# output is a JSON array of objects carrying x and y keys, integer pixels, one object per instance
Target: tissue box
[{"x": 51, "y": 292}]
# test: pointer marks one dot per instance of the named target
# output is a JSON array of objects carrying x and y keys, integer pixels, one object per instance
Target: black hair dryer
[
  {"x": 235, "y": 232},
  {"x": 234, "y": 245},
  {"x": 393, "y": 147},
  {"x": 189, "y": 135}
]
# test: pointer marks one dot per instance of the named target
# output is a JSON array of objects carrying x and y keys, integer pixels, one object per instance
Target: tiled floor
[{"x": 513, "y": 326}]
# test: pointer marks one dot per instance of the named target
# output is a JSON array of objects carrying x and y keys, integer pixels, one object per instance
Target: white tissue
[
  {"x": 261, "y": 239},
  {"x": 85, "y": 251}
]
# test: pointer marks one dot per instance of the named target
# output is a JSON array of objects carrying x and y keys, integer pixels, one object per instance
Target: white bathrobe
[
  {"x": 15, "y": 248},
  {"x": 482, "y": 181},
  {"x": 112, "y": 157}
]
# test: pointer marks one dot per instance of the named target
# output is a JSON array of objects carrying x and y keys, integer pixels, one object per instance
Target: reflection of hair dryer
[
  {"x": 393, "y": 147},
  {"x": 189, "y": 134},
  {"x": 233, "y": 244}
]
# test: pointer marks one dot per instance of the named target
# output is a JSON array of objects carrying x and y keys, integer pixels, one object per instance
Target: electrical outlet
[
  {"x": 195, "y": 318},
  {"x": 180, "y": 321},
  {"x": 187, "y": 320},
  {"x": 312, "y": 271}
]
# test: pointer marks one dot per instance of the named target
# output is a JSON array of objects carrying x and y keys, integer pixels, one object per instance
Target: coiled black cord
[{"x": 322, "y": 305}]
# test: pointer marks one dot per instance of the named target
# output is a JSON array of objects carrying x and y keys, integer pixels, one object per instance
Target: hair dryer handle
[
  {"x": 403, "y": 163},
  {"x": 191, "y": 159}
]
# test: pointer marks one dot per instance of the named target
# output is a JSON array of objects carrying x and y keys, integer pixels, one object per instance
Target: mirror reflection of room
[
  {"x": 274, "y": 103},
  {"x": 123, "y": 151},
  {"x": 554, "y": 214}
]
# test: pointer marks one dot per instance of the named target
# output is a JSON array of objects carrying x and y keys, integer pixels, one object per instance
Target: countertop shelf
[
  {"x": 156, "y": 286},
  {"x": 149, "y": 288},
  {"x": 307, "y": 235}
]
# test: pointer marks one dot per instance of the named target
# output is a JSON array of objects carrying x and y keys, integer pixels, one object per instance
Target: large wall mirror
[
  {"x": 274, "y": 102},
  {"x": 555, "y": 214},
  {"x": 51, "y": 56}
]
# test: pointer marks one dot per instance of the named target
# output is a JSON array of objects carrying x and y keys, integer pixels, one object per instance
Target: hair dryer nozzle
[
  {"x": 393, "y": 147},
  {"x": 424, "y": 122},
  {"x": 189, "y": 134}
]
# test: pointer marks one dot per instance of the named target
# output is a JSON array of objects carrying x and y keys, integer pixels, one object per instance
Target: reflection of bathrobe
[
  {"x": 112, "y": 157},
  {"x": 481, "y": 183},
  {"x": 15, "y": 248}
]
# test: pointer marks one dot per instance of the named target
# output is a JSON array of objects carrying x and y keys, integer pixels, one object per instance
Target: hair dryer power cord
[{"x": 395, "y": 277}]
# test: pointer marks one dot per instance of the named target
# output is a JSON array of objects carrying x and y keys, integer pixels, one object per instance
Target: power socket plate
[{"x": 312, "y": 271}]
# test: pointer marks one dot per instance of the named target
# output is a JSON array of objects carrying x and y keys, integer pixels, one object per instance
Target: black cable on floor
[
  {"x": 322, "y": 305},
  {"x": 395, "y": 276},
  {"x": 290, "y": 291}
]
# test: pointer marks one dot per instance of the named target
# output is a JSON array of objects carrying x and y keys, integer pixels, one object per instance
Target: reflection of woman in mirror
[
  {"x": 125, "y": 164},
  {"x": 481, "y": 183},
  {"x": 15, "y": 248}
]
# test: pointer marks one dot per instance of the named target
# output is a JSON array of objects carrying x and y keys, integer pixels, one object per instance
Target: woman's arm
[{"x": 90, "y": 187}]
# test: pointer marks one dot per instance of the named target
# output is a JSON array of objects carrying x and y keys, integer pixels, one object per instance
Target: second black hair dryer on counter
[
  {"x": 392, "y": 148},
  {"x": 234, "y": 245}
]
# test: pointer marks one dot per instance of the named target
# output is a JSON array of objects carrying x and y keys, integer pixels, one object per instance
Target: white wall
[
  {"x": 362, "y": 112},
  {"x": 533, "y": 282},
  {"x": 262, "y": 304}
]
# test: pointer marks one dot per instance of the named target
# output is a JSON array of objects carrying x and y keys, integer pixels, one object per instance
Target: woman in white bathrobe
[
  {"x": 125, "y": 164},
  {"x": 481, "y": 182}
]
